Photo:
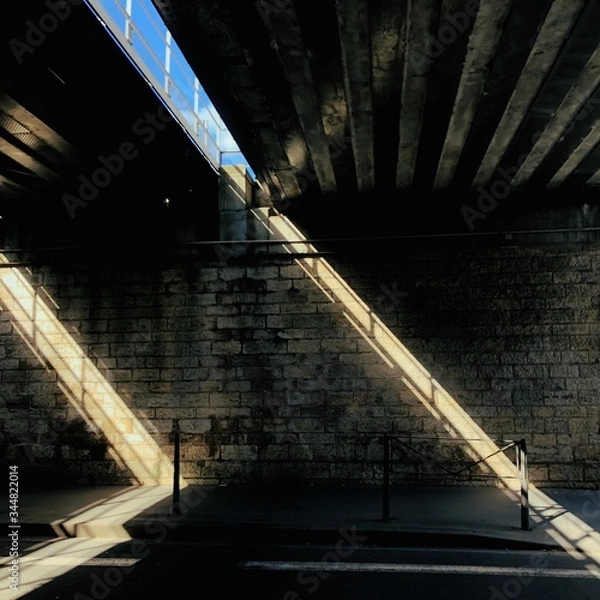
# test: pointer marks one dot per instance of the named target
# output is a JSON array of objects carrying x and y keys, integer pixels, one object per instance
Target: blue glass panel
[
  {"x": 148, "y": 44},
  {"x": 117, "y": 12}
]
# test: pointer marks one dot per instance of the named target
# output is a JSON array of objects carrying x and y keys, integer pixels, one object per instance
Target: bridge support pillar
[{"x": 235, "y": 198}]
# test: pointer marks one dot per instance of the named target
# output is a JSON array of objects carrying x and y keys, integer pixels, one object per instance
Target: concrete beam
[
  {"x": 559, "y": 21},
  {"x": 576, "y": 99},
  {"x": 286, "y": 34},
  {"x": 42, "y": 131},
  {"x": 10, "y": 187},
  {"x": 576, "y": 157},
  {"x": 324, "y": 56},
  {"x": 191, "y": 24},
  {"x": 421, "y": 19},
  {"x": 353, "y": 25},
  {"x": 216, "y": 24},
  {"x": 28, "y": 161},
  {"x": 483, "y": 44},
  {"x": 388, "y": 31},
  {"x": 594, "y": 180}
]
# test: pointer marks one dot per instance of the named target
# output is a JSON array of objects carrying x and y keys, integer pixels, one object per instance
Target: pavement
[{"x": 481, "y": 517}]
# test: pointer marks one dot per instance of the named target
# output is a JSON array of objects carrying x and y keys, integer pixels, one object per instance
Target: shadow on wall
[
  {"x": 511, "y": 332},
  {"x": 129, "y": 445},
  {"x": 576, "y": 535},
  {"x": 444, "y": 409}
]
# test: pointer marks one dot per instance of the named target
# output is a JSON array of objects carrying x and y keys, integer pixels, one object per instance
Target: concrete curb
[{"x": 168, "y": 528}]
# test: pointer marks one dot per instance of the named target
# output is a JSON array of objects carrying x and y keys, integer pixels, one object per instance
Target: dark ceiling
[
  {"x": 69, "y": 101},
  {"x": 441, "y": 110},
  {"x": 360, "y": 118}
]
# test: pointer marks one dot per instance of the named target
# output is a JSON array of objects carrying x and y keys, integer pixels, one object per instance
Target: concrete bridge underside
[{"x": 351, "y": 109}]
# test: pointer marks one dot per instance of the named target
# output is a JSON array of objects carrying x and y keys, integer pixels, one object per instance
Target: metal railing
[
  {"x": 388, "y": 463},
  {"x": 520, "y": 446},
  {"x": 139, "y": 30}
]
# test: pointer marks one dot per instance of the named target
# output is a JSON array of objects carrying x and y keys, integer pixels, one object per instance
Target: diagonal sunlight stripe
[
  {"x": 35, "y": 572},
  {"x": 562, "y": 525},
  {"x": 102, "y": 408},
  {"x": 93, "y": 530},
  {"x": 109, "y": 518},
  {"x": 438, "y": 401},
  {"x": 87, "y": 389}
]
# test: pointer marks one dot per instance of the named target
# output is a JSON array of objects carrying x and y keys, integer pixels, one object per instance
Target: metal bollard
[
  {"x": 524, "y": 486},
  {"x": 386, "y": 477},
  {"x": 176, "y": 509}
]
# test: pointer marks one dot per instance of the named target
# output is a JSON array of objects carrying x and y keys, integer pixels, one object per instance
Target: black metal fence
[{"x": 391, "y": 442}]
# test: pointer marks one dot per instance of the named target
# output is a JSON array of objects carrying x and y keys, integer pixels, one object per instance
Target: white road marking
[
  {"x": 417, "y": 569},
  {"x": 54, "y": 560},
  {"x": 63, "y": 561}
]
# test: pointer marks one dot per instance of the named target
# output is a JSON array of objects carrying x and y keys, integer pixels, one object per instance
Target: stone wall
[{"x": 272, "y": 381}]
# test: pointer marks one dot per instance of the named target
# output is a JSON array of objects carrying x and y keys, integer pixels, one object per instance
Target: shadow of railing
[
  {"x": 96, "y": 401},
  {"x": 420, "y": 446}
]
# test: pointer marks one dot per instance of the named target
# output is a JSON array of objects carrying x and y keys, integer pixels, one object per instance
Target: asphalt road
[{"x": 96, "y": 569}]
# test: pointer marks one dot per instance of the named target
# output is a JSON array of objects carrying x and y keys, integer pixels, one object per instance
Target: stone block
[
  {"x": 565, "y": 473},
  {"x": 559, "y": 398},
  {"x": 195, "y": 425},
  {"x": 291, "y": 272},
  {"x": 265, "y": 347},
  {"x": 300, "y": 452},
  {"x": 239, "y": 452},
  {"x": 544, "y": 440},
  {"x": 583, "y": 426},
  {"x": 306, "y": 425},
  {"x": 531, "y": 371},
  {"x": 276, "y": 452}
]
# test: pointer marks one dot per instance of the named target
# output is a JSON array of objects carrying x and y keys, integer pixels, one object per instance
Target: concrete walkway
[{"x": 474, "y": 516}]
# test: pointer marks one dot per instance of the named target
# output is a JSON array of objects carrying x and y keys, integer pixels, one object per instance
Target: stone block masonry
[{"x": 271, "y": 382}]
